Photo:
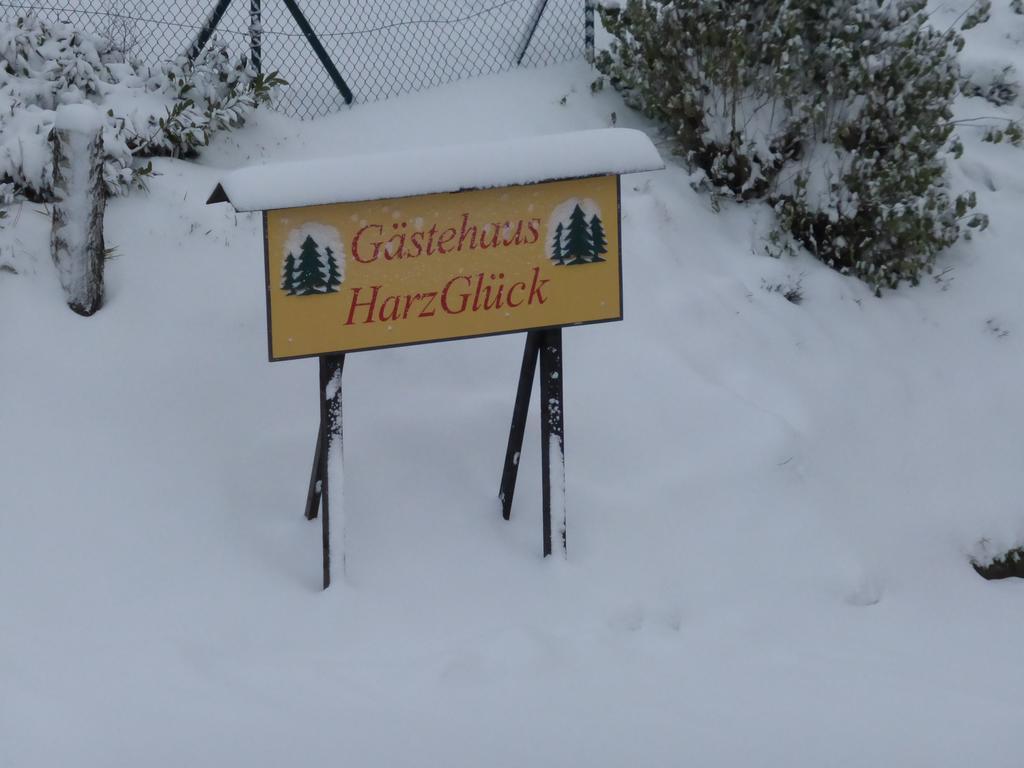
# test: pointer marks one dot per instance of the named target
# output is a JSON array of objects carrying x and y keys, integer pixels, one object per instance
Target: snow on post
[
  {"x": 552, "y": 430},
  {"x": 335, "y": 476},
  {"x": 76, "y": 236},
  {"x": 556, "y": 490}
]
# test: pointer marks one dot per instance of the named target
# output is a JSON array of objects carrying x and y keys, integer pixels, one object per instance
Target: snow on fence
[{"x": 379, "y": 49}]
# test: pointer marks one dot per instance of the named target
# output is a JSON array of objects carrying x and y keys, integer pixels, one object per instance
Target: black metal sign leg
[
  {"x": 316, "y": 476},
  {"x": 331, "y": 367},
  {"x": 552, "y": 441},
  {"x": 519, "y": 413}
]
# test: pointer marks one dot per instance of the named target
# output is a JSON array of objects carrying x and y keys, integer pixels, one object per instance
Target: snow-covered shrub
[
  {"x": 978, "y": 13},
  {"x": 1011, "y": 131},
  {"x": 213, "y": 93},
  {"x": 120, "y": 27},
  {"x": 838, "y": 113},
  {"x": 870, "y": 197},
  {"x": 1009, "y": 564},
  {"x": 172, "y": 108},
  {"x": 721, "y": 74},
  {"x": 6, "y": 198},
  {"x": 996, "y": 84}
]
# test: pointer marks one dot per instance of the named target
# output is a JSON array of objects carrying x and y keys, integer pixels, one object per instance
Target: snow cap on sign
[{"x": 438, "y": 169}]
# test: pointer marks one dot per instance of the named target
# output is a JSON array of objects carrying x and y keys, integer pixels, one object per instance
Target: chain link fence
[{"x": 379, "y": 49}]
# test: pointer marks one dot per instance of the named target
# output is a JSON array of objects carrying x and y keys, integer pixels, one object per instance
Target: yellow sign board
[{"x": 366, "y": 275}]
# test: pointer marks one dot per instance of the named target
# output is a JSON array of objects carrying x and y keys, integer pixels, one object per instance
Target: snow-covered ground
[{"x": 771, "y": 507}]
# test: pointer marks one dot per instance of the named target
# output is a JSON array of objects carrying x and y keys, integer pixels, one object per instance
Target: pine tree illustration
[
  {"x": 309, "y": 277},
  {"x": 557, "y": 247},
  {"x": 288, "y": 275},
  {"x": 577, "y": 241},
  {"x": 598, "y": 242},
  {"x": 333, "y": 276}
]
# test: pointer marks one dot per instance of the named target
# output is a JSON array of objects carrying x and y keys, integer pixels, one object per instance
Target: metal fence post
[
  {"x": 318, "y": 49},
  {"x": 256, "y": 35},
  {"x": 209, "y": 27},
  {"x": 588, "y": 31},
  {"x": 534, "y": 23}
]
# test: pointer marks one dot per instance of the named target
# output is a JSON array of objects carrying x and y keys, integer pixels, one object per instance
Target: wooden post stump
[{"x": 76, "y": 236}]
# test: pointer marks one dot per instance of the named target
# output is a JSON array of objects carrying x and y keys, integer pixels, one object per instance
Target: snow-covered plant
[
  {"x": 870, "y": 197},
  {"x": 172, "y": 108},
  {"x": 995, "y": 84},
  {"x": 120, "y": 28},
  {"x": 6, "y": 198},
  {"x": 838, "y": 113},
  {"x": 212, "y": 93},
  {"x": 977, "y": 14},
  {"x": 721, "y": 74},
  {"x": 1011, "y": 132},
  {"x": 1006, "y": 565}
]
